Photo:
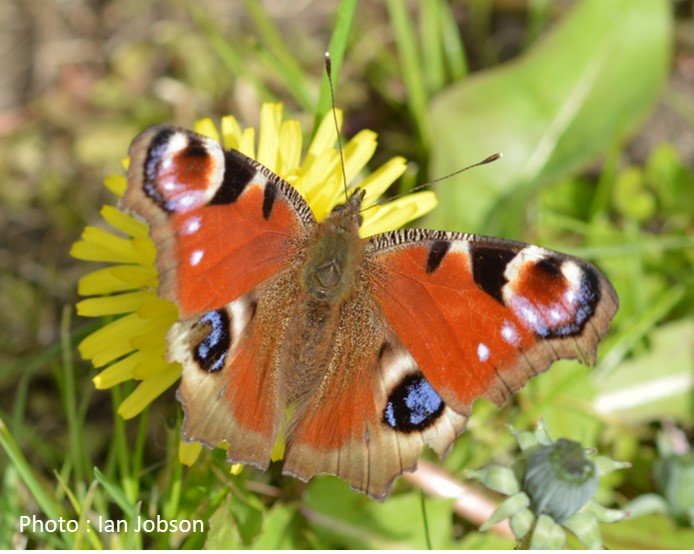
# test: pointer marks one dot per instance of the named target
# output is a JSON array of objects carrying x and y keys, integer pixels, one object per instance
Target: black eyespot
[
  {"x": 413, "y": 405},
  {"x": 211, "y": 351}
]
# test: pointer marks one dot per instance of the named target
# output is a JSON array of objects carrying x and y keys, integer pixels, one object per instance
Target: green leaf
[
  {"x": 658, "y": 383},
  {"x": 248, "y": 515},
  {"x": 485, "y": 541},
  {"x": 223, "y": 533},
  {"x": 276, "y": 529},
  {"x": 568, "y": 98},
  {"x": 653, "y": 532},
  {"x": 356, "y": 521}
]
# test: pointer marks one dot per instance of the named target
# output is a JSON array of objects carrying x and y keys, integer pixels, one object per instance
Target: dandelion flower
[{"x": 133, "y": 346}]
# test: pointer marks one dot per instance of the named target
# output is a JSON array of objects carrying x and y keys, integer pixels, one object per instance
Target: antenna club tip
[{"x": 491, "y": 158}]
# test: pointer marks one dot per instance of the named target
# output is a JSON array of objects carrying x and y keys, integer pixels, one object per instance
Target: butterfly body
[{"x": 357, "y": 351}]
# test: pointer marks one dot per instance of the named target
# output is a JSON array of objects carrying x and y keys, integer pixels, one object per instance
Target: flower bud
[{"x": 560, "y": 479}]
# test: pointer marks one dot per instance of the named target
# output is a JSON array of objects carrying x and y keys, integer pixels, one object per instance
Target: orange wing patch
[{"x": 463, "y": 339}]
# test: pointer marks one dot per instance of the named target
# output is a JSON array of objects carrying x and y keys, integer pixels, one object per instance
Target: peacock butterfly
[{"x": 359, "y": 351}]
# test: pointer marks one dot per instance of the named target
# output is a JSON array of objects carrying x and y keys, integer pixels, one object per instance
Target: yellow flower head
[{"x": 134, "y": 346}]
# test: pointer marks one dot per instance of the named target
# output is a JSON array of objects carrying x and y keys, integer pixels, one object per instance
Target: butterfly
[{"x": 358, "y": 351}]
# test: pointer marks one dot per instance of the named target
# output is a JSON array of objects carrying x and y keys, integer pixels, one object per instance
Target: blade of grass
[
  {"x": 86, "y": 507},
  {"x": 232, "y": 59},
  {"x": 620, "y": 346},
  {"x": 608, "y": 177},
  {"x": 286, "y": 66},
  {"x": 432, "y": 42},
  {"x": 80, "y": 511},
  {"x": 425, "y": 519},
  {"x": 75, "y": 431},
  {"x": 336, "y": 47},
  {"x": 43, "y": 498},
  {"x": 116, "y": 493},
  {"x": 453, "y": 47},
  {"x": 138, "y": 455},
  {"x": 10, "y": 508},
  {"x": 120, "y": 444},
  {"x": 174, "y": 470},
  {"x": 406, "y": 42}
]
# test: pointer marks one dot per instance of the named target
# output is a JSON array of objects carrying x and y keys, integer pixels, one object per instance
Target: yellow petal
[
  {"x": 289, "y": 147},
  {"x": 158, "y": 307},
  {"x": 207, "y": 128},
  {"x": 236, "y": 469},
  {"x": 278, "y": 448},
  {"x": 188, "y": 452},
  {"x": 376, "y": 183},
  {"x": 357, "y": 153},
  {"x": 326, "y": 134},
  {"x": 151, "y": 364},
  {"x": 117, "y": 373},
  {"x": 314, "y": 175},
  {"x": 154, "y": 337},
  {"x": 268, "y": 138},
  {"x": 247, "y": 144},
  {"x": 231, "y": 132},
  {"x": 123, "y": 222},
  {"x": 113, "y": 304},
  {"x": 147, "y": 252},
  {"x": 116, "y": 183},
  {"x": 98, "y": 245},
  {"x": 397, "y": 213},
  {"x": 114, "y": 339},
  {"x": 116, "y": 279},
  {"x": 148, "y": 390}
]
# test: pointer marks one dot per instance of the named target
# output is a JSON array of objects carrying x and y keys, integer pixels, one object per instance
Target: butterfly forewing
[{"x": 222, "y": 223}]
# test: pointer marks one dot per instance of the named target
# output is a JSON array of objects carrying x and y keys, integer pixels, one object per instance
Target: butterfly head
[
  {"x": 334, "y": 253},
  {"x": 347, "y": 214}
]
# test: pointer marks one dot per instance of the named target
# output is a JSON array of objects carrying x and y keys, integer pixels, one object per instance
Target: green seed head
[{"x": 560, "y": 479}]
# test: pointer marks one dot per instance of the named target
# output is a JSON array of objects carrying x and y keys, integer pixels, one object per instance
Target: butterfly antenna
[
  {"x": 485, "y": 161},
  {"x": 329, "y": 73}
]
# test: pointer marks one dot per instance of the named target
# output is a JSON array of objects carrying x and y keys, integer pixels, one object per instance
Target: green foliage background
[{"x": 564, "y": 90}]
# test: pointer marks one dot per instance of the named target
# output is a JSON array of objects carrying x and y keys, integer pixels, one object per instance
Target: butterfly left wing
[{"x": 483, "y": 315}]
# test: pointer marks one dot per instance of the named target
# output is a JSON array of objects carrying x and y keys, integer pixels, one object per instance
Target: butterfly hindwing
[
  {"x": 372, "y": 415},
  {"x": 232, "y": 372},
  {"x": 222, "y": 223},
  {"x": 482, "y": 315}
]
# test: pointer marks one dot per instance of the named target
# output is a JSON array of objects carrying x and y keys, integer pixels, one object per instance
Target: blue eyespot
[
  {"x": 211, "y": 352},
  {"x": 413, "y": 405}
]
